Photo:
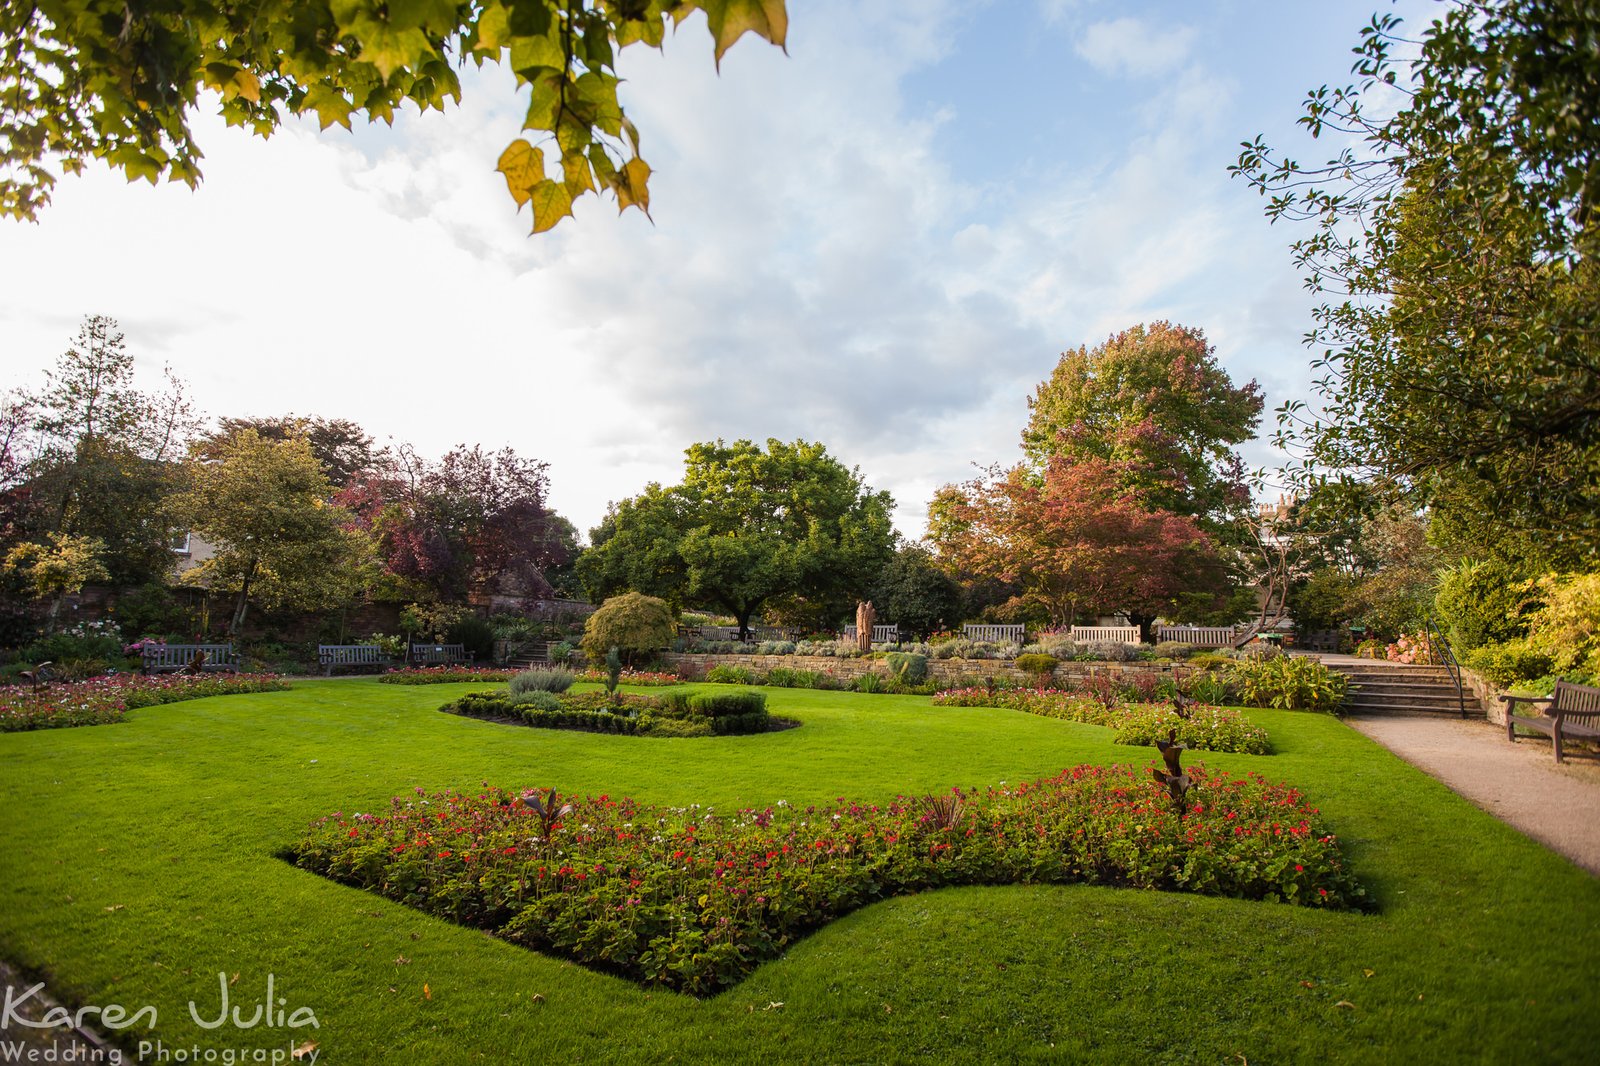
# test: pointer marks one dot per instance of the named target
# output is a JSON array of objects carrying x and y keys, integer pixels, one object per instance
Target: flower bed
[
  {"x": 1205, "y": 728},
  {"x": 442, "y": 675},
  {"x": 102, "y": 700},
  {"x": 641, "y": 678},
  {"x": 694, "y": 900}
]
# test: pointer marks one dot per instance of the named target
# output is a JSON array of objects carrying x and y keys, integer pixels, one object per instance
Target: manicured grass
[{"x": 1486, "y": 947}]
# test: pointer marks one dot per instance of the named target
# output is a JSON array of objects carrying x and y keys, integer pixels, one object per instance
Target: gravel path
[{"x": 1559, "y": 806}]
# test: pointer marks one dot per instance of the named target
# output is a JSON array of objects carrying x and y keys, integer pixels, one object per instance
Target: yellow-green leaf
[
  {"x": 551, "y": 203},
  {"x": 729, "y": 20},
  {"x": 523, "y": 167},
  {"x": 633, "y": 186}
]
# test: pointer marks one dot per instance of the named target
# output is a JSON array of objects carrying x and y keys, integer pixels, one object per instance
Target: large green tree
[
  {"x": 1455, "y": 242},
  {"x": 789, "y": 527},
  {"x": 86, "y": 79},
  {"x": 90, "y": 455},
  {"x": 1154, "y": 401},
  {"x": 264, "y": 506}
]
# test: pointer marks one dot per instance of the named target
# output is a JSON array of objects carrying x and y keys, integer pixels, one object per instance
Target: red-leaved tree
[{"x": 1076, "y": 541}]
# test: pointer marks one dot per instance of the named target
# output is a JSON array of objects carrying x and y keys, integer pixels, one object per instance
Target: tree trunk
[{"x": 242, "y": 604}]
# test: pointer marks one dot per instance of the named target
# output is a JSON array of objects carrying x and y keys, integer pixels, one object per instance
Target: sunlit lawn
[{"x": 139, "y": 863}]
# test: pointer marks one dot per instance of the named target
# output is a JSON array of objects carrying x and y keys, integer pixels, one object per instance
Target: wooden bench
[
  {"x": 1104, "y": 634},
  {"x": 1571, "y": 712},
  {"x": 440, "y": 655},
  {"x": 994, "y": 634},
  {"x": 331, "y": 655},
  {"x": 170, "y": 658}
]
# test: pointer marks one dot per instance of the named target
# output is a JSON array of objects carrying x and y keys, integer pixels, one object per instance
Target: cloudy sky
[{"x": 881, "y": 241}]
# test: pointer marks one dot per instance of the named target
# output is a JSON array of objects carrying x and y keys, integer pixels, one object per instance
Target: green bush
[
  {"x": 1207, "y": 728},
  {"x": 1511, "y": 663},
  {"x": 1567, "y": 626},
  {"x": 870, "y": 682},
  {"x": 740, "y": 724},
  {"x": 1173, "y": 649},
  {"x": 547, "y": 679},
  {"x": 474, "y": 635},
  {"x": 535, "y": 699},
  {"x": 908, "y": 667},
  {"x": 788, "y": 677},
  {"x": 1482, "y": 603},
  {"x": 723, "y": 674},
  {"x": 1205, "y": 687},
  {"x": 1038, "y": 664},
  {"x": 1288, "y": 682},
  {"x": 725, "y": 704},
  {"x": 635, "y": 624},
  {"x": 656, "y": 725}
]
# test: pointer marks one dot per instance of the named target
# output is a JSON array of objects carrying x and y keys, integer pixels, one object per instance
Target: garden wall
[
  {"x": 1488, "y": 695},
  {"x": 951, "y": 671}
]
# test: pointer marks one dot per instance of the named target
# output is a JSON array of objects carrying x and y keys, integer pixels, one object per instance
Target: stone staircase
[
  {"x": 1393, "y": 689},
  {"x": 528, "y": 655}
]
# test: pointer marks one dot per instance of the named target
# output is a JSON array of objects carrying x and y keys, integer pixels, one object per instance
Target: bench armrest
[{"x": 1512, "y": 701}]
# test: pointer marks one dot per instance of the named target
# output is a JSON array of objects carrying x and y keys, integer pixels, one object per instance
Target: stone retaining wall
[{"x": 947, "y": 671}]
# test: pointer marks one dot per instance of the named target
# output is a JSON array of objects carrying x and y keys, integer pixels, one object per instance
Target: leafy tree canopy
[
  {"x": 89, "y": 455},
  {"x": 263, "y": 505},
  {"x": 89, "y": 79},
  {"x": 1153, "y": 400},
  {"x": 344, "y": 450},
  {"x": 914, "y": 592},
  {"x": 790, "y": 526},
  {"x": 1077, "y": 542},
  {"x": 1455, "y": 243}
]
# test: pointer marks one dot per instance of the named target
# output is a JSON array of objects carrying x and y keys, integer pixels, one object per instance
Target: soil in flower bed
[{"x": 695, "y": 900}]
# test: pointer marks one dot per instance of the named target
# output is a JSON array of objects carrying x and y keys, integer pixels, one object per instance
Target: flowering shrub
[
  {"x": 1410, "y": 648},
  {"x": 103, "y": 700},
  {"x": 439, "y": 675},
  {"x": 1207, "y": 728},
  {"x": 695, "y": 900}
]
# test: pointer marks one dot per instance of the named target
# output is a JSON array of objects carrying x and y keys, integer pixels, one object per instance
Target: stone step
[{"x": 1406, "y": 711}]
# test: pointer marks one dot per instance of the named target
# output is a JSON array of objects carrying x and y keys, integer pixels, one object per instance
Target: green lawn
[{"x": 1486, "y": 946}]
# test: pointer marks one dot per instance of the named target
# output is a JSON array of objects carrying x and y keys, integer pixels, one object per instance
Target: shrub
[
  {"x": 1205, "y": 687},
  {"x": 908, "y": 667},
  {"x": 474, "y": 635},
  {"x": 1212, "y": 660},
  {"x": 636, "y": 624},
  {"x": 733, "y": 675},
  {"x": 721, "y": 704},
  {"x": 1510, "y": 663},
  {"x": 870, "y": 682},
  {"x": 1111, "y": 651},
  {"x": 1288, "y": 682},
  {"x": 536, "y": 699},
  {"x": 1483, "y": 603},
  {"x": 1206, "y": 728},
  {"x": 775, "y": 647},
  {"x": 662, "y": 726},
  {"x": 1037, "y": 663},
  {"x": 1567, "y": 627},
  {"x": 561, "y": 652},
  {"x": 1173, "y": 649},
  {"x": 550, "y": 679},
  {"x": 789, "y": 677}
]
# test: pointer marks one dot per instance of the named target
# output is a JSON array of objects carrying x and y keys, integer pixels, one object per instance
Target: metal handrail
[{"x": 1439, "y": 651}]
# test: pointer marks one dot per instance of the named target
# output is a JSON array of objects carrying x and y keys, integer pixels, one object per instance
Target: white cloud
[
  {"x": 819, "y": 265},
  {"x": 1133, "y": 47}
]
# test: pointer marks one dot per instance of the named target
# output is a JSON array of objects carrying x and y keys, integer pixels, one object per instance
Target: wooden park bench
[
  {"x": 331, "y": 655},
  {"x": 1572, "y": 712},
  {"x": 170, "y": 658},
  {"x": 440, "y": 655},
  {"x": 994, "y": 634}
]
